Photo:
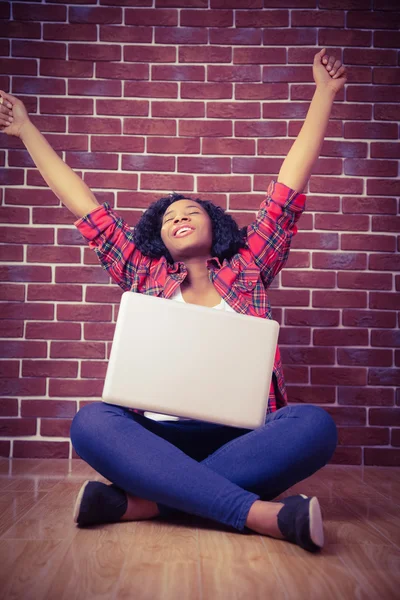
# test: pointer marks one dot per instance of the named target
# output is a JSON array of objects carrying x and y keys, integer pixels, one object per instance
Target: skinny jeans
[{"x": 213, "y": 471}]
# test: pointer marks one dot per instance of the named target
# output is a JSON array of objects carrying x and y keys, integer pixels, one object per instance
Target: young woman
[{"x": 192, "y": 251}]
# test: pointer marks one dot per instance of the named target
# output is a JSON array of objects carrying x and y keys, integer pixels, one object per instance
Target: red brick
[
  {"x": 103, "y": 294},
  {"x": 14, "y": 66},
  {"x": 22, "y": 349},
  {"x": 94, "y": 125},
  {"x": 363, "y": 318},
  {"x": 365, "y": 396},
  {"x": 55, "y": 427},
  {"x": 347, "y": 456},
  {"x": 363, "y": 436},
  {"x": 340, "y": 337},
  {"x": 65, "y": 68},
  {"x": 48, "y": 368},
  {"x": 320, "y": 18},
  {"x": 206, "y": 18},
  {"x": 178, "y": 73},
  {"x": 93, "y": 369},
  {"x": 384, "y": 416},
  {"x": 365, "y": 357},
  {"x": 376, "y": 19},
  {"x": 387, "y": 112},
  {"x": 25, "y": 11},
  {"x": 175, "y": 146},
  {"x": 372, "y": 168},
  {"x": 91, "y": 160},
  {"x": 395, "y": 438},
  {"x": 362, "y": 281},
  {"x": 372, "y": 57},
  {"x": 181, "y": 35},
  {"x": 72, "y": 237},
  {"x": 34, "y": 85},
  {"x": 231, "y": 110},
  {"x": 150, "y": 54},
  {"x": 11, "y": 329},
  {"x": 260, "y": 129},
  {"x": 296, "y": 110},
  {"x": 158, "y": 16},
  {"x": 111, "y": 180},
  {"x": 256, "y": 165},
  {"x": 334, "y": 185},
  {"x": 383, "y": 262},
  {"x": 384, "y": 376},
  {"x": 287, "y": 298},
  {"x": 9, "y": 368},
  {"x": 16, "y": 29},
  {"x": 148, "y": 163},
  {"x": 261, "y": 91},
  {"x": 289, "y": 74},
  {"x": 338, "y": 375},
  {"x": 380, "y": 300},
  {"x": 262, "y": 18},
  {"x": 77, "y": 350},
  {"x": 152, "y": 89},
  {"x": 99, "y": 331},
  {"x": 95, "y": 15},
  {"x": 65, "y": 389},
  {"x": 81, "y": 275},
  {"x": 204, "y": 54},
  {"x": 228, "y": 146},
  {"x": 78, "y": 87},
  {"x": 235, "y": 36},
  {"x": 311, "y": 394},
  {"x": 348, "y": 416},
  {"x": 150, "y": 126},
  {"x": 224, "y": 184},
  {"x": 27, "y": 449},
  {"x": 11, "y": 177},
  {"x": 344, "y": 37},
  {"x": 293, "y": 336},
  {"x": 369, "y": 205},
  {"x": 181, "y": 3},
  {"x": 382, "y": 243},
  {"x": 53, "y": 331},
  {"x": 23, "y": 386},
  {"x": 386, "y": 39},
  {"x": 122, "y": 71},
  {"x": 16, "y": 310},
  {"x": 312, "y": 318},
  {"x": 27, "y": 235},
  {"x": 307, "y": 356},
  {"x": 333, "y": 299},
  {"x": 205, "y": 128},
  {"x": 383, "y": 187},
  {"x": 39, "y": 49},
  {"x": 233, "y": 73},
  {"x": 9, "y": 407},
  {"x": 342, "y": 222},
  {"x": 375, "y": 93},
  {"x": 385, "y": 223},
  {"x": 48, "y": 408},
  {"x": 115, "y": 33},
  {"x": 100, "y": 143},
  {"x": 66, "y": 293},
  {"x": 17, "y": 427},
  {"x": 259, "y": 56},
  {"x": 12, "y": 292},
  {"x": 315, "y": 279},
  {"x": 75, "y": 106},
  {"x": 78, "y": 312},
  {"x": 166, "y": 182},
  {"x": 68, "y": 142},
  {"x": 341, "y": 261},
  {"x": 204, "y": 165},
  {"x": 177, "y": 109},
  {"x": 25, "y": 273},
  {"x": 107, "y": 52},
  {"x": 11, "y": 253},
  {"x": 370, "y": 130},
  {"x": 381, "y": 456},
  {"x": 11, "y": 214},
  {"x": 80, "y": 33},
  {"x": 385, "y": 337},
  {"x": 385, "y": 150},
  {"x": 295, "y": 374}
]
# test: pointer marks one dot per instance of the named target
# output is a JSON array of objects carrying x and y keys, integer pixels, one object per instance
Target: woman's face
[{"x": 193, "y": 244}]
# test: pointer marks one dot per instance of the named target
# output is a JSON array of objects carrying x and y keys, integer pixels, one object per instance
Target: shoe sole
[
  {"x": 79, "y": 500},
  {"x": 316, "y": 524}
]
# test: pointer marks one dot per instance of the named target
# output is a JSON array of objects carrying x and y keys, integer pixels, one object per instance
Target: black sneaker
[
  {"x": 300, "y": 521},
  {"x": 98, "y": 503}
]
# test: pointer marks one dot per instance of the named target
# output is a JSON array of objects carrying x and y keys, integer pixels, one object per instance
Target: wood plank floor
[{"x": 43, "y": 555}]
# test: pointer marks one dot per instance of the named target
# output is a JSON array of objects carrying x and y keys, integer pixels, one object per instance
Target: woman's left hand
[{"x": 328, "y": 71}]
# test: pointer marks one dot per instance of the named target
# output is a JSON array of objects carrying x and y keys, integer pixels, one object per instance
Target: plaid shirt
[{"x": 241, "y": 281}]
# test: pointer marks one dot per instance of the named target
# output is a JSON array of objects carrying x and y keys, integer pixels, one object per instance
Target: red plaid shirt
[{"x": 241, "y": 281}]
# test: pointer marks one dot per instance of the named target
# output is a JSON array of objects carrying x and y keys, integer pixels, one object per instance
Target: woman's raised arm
[
  {"x": 329, "y": 76},
  {"x": 66, "y": 185}
]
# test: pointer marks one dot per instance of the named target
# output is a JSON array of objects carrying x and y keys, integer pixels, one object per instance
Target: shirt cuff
[{"x": 286, "y": 196}]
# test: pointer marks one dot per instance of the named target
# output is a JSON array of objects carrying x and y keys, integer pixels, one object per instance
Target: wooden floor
[{"x": 44, "y": 555}]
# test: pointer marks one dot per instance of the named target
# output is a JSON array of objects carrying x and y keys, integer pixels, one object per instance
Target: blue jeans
[{"x": 213, "y": 471}]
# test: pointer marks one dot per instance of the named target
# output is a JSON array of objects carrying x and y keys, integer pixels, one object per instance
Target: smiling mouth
[{"x": 184, "y": 234}]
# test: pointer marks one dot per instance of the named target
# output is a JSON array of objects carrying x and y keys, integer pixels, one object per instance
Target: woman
[{"x": 190, "y": 250}]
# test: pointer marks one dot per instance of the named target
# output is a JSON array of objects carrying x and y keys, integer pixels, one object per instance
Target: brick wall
[{"x": 204, "y": 97}]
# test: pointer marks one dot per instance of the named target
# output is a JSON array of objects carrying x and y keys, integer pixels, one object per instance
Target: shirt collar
[{"x": 179, "y": 266}]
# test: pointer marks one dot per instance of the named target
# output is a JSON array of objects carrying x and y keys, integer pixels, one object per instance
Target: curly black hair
[{"x": 227, "y": 237}]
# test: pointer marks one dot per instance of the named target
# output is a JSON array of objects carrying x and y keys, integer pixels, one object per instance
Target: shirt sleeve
[
  {"x": 270, "y": 235},
  {"x": 112, "y": 240}
]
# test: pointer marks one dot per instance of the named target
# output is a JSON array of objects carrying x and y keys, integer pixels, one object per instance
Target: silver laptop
[{"x": 191, "y": 361}]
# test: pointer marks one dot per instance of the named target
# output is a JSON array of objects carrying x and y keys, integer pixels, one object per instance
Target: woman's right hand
[{"x": 13, "y": 109}]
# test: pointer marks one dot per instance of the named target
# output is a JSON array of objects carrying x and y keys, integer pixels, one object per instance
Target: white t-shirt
[{"x": 179, "y": 298}]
